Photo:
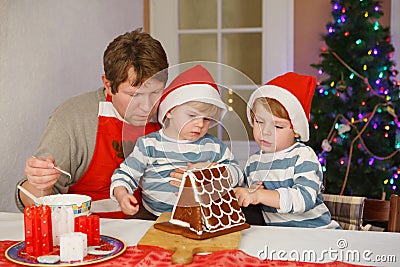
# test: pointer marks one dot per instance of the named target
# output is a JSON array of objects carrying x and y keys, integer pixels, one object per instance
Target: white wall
[{"x": 49, "y": 50}]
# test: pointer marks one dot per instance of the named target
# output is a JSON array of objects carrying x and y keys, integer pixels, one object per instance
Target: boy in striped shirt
[
  {"x": 190, "y": 105},
  {"x": 285, "y": 176}
]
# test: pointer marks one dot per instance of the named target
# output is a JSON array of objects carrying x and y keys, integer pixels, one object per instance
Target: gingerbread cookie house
[{"x": 206, "y": 206}]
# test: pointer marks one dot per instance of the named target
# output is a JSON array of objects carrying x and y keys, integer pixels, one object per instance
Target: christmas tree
[{"x": 354, "y": 123}]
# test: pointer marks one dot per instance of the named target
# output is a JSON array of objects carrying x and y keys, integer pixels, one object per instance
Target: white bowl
[{"x": 79, "y": 203}]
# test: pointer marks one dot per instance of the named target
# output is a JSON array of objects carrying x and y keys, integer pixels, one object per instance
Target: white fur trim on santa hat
[
  {"x": 290, "y": 102},
  {"x": 191, "y": 92}
]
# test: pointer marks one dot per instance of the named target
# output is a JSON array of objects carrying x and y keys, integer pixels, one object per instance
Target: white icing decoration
[{"x": 208, "y": 194}]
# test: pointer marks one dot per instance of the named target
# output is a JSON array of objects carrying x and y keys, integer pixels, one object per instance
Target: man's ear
[{"x": 107, "y": 84}]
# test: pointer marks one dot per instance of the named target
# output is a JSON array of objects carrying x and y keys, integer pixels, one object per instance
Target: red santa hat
[
  {"x": 295, "y": 93},
  {"x": 194, "y": 84}
]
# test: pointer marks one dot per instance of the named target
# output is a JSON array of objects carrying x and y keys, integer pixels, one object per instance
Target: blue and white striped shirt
[
  {"x": 296, "y": 174},
  {"x": 155, "y": 156}
]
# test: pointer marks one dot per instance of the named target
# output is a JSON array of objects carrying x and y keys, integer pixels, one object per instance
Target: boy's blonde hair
[
  {"x": 209, "y": 110},
  {"x": 272, "y": 106}
]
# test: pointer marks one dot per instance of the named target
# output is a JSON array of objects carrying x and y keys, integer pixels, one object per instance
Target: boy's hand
[
  {"x": 257, "y": 194},
  {"x": 201, "y": 165},
  {"x": 256, "y": 186},
  {"x": 127, "y": 202},
  {"x": 246, "y": 196},
  {"x": 177, "y": 175}
]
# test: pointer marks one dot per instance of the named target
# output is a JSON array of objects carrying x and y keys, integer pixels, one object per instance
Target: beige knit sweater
[{"x": 70, "y": 137}]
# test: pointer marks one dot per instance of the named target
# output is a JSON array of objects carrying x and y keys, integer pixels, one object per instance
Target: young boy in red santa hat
[
  {"x": 190, "y": 105},
  {"x": 285, "y": 176}
]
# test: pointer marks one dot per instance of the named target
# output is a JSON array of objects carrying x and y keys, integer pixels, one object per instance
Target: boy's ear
[{"x": 168, "y": 115}]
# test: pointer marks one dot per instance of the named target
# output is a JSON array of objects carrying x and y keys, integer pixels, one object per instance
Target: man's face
[{"x": 138, "y": 104}]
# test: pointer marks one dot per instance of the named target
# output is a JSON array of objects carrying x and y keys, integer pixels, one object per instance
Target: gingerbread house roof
[{"x": 207, "y": 194}]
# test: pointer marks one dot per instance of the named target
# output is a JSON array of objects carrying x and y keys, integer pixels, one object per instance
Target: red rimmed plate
[{"x": 119, "y": 247}]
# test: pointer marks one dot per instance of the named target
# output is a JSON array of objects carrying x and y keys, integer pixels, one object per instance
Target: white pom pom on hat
[
  {"x": 295, "y": 93},
  {"x": 194, "y": 84}
]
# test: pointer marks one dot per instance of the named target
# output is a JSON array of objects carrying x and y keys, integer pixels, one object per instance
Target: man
[{"x": 86, "y": 135}]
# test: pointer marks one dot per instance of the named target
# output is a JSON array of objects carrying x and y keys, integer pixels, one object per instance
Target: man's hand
[
  {"x": 41, "y": 177},
  {"x": 40, "y": 173}
]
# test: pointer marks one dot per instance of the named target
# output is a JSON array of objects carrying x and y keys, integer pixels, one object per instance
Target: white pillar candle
[
  {"x": 73, "y": 247},
  {"x": 63, "y": 222}
]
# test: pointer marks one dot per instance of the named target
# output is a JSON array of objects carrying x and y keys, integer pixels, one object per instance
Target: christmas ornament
[
  {"x": 341, "y": 85},
  {"x": 326, "y": 146},
  {"x": 343, "y": 128}
]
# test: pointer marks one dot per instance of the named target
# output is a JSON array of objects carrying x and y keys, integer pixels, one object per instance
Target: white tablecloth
[{"x": 312, "y": 245}]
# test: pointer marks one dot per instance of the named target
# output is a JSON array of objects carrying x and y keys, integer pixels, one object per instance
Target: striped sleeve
[
  {"x": 307, "y": 181},
  {"x": 297, "y": 175},
  {"x": 131, "y": 170}
]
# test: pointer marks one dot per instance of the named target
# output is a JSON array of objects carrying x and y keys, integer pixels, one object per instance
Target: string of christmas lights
[
  {"x": 343, "y": 128},
  {"x": 359, "y": 47}
]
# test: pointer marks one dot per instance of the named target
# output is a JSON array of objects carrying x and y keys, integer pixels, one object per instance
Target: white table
[{"x": 311, "y": 245}]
